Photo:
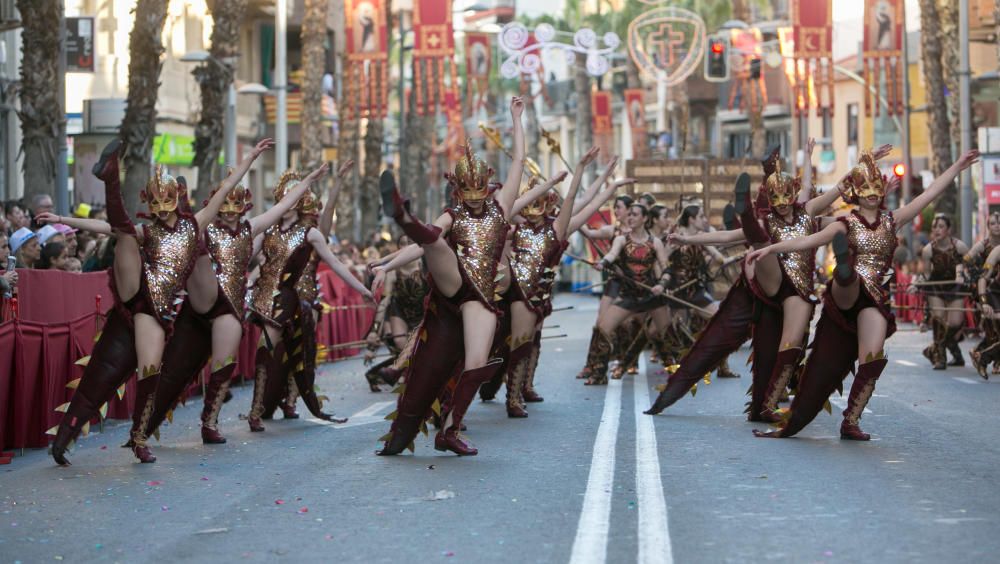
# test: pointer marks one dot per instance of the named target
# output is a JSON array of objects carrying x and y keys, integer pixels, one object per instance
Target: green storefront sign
[{"x": 175, "y": 150}]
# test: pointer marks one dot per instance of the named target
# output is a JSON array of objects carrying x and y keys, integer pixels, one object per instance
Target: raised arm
[
  {"x": 265, "y": 220},
  {"x": 612, "y": 255},
  {"x": 326, "y": 220},
  {"x": 813, "y": 241},
  {"x": 905, "y": 214},
  {"x": 512, "y": 185},
  {"x": 566, "y": 211},
  {"x": 708, "y": 238},
  {"x": 591, "y": 192},
  {"x": 319, "y": 245},
  {"x": 207, "y": 214},
  {"x": 807, "y": 175},
  {"x": 91, "y": 225},
  {"x": 579, "y": 220},
  {"x": 536, "y": 192}
]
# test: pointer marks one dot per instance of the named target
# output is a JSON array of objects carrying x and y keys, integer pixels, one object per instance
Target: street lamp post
[
  {"x": 965, "y": 117},
  {"x": 281, "y": 87}
]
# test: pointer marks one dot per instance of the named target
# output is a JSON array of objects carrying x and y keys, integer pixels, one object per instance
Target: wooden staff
[
  {"x": 939, "y": 283},
  {"x": 530, "y": 167},
  {"x": 590, "y": 286},
  {"x": 894, "y": 306},
  {"x": 564, "y": 308}
]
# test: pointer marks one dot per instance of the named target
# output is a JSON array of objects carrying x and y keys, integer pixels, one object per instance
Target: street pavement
[{"x": 585, "y": 479}]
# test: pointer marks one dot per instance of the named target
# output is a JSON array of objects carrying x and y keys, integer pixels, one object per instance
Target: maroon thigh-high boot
[
  {"x": 187, "y": 351},
  {"x": 764, "y": 343},
  {"x": 262, "y": 361},
  {"x": 861, "y": 392},
  {"x": 438, "y": 351},
  {"x": 394, "y": 206},
  {"x": 305, "y": 370},
  {"x": 831, "y": 357},
  {"x": 106, "y": 168},
  {"x": 784, "y": 367},
  {"x": 752, "y": 230},
  {"x": 448, "y": 437},
  {"x": 276, "y": 388},
  {"x": 112, "y": 362},
  {"x": 726, "y": 331},
  {"x": 517, "y": 372},
  {"x": 142, "y": 410},
  {"x": 215, "y": 394},
  {"x": 529, "y": 393}
]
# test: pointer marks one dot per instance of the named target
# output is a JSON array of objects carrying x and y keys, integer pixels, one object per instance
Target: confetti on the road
[
  {"x": 279, "y": 502},
  {"x": 154, "y": 483},
  {"x": 303, "y": 510},
  {"x": 165, "y": 508}
]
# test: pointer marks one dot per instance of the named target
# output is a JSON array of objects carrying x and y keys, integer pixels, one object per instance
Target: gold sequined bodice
[
  {"x": 478, "y": 241},
  {"x": 638, "y": 260},
  {"x": 308, "y": 286},
  {"x": 277, "y": 247},
  {"x": 873, "y": 246},
  {"x": 231, "y": 252},
  {"x": 944, "y": 263},
  {"x": 799, "y": 266},
  {"x": 170, "y": 254},
  {"x": 534, "y": 252}
]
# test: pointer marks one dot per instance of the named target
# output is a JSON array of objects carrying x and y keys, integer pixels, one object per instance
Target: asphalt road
[{"x": 585, "y": 479}]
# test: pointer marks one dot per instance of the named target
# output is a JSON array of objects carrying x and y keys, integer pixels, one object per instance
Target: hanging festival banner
[
  {"x": 812, "y": 24},
  {"x": 455, "y": 139},
  {"x": 883, "y": 53},
  {"x": 600, "y": 109},
  {"x": 367, "y": 74},
  {"x": 635, "y": 107},
  {"x": 478, "y": 62},
  {"x": 433, "y": 51}
]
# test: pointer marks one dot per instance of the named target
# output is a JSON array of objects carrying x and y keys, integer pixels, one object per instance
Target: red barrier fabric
[{"x": 38, "y": 353}]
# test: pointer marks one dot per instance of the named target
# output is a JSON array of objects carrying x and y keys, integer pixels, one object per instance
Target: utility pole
[
  {"x": 402, "y": 106},
  {"x": 281, "y": 86},
  {"x": 965, "y": 117},
  {"x": 907, "y": 157},
  {"x": 62, "y": 167}
]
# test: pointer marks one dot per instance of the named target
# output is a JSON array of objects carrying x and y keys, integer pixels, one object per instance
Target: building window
[
  {"x": 827, "y": 125},
  {"x": 852, "y": 124},
  {"x": 738, "y": 145}
]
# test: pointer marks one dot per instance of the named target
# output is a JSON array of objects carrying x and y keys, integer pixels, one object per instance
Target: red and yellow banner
[
  {"x": 434, "y": 46},
  {"x": 456, "y": 130},
  {"x": 812, "y": 24},
  {"x": 635, "y": 107},
  {"x": 883, "y": 52},
  {"x": 367, "y": 73},
  {"x": 600, "y": 109},
  {"x": 478, "y": 63}
]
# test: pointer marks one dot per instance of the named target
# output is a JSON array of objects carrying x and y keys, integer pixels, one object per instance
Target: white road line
[
  {"x": 965, "y": 380},
  {"x": 841, "y": 403},
  {"x": 907, "y": 363},
  {"x": 373, "y": 409},
  {"x": 366, "y": 416},
  {"x": 654, "y": 529},
  {"x": 591, "y": 543}
]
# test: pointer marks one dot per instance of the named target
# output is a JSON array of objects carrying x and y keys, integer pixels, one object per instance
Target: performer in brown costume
[
  {"x": 943, "y": 260},
  {"x": 152, "y": 264},
  {"x": 210, "y": 324},
  {"x": 277, "y": 310},
  {"x": 462, "y": 250},
  {"x": 771, "y": 302},
  {"x": 856, "y": 318},
  {"x": 987, "y": 352}
]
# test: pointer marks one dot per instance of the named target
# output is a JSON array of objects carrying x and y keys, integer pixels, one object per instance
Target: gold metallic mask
[
  {"x": 308, "y": 204},
  {"x": 471, "y": 178},
  {"x": 536, "y": 208},
  {"x": 782, "y": 188},
  {"x": 865, "y": 179},
  {"x": 237, "y": 201},
  {"x": 162, "y": 192}
]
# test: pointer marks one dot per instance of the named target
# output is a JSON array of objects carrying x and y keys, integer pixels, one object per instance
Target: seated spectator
[
  {"x": 54, "y": 256},
  {"x": 24, "y": 245},
  {"x": 15, "y": 215},
  {"x": 8, "y": 278}
]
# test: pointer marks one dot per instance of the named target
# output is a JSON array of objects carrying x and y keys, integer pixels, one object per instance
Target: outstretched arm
[
  {"x": 326, "y": 220},
  {"x": 905, "y": 214},
  {"x": 207, "y": 214},
  {"x": 813, "y": 241},
  {"x": 708, "y": 238},
  {"x": 612, "y": 255},
  {"x": 512, "y": 185},
  {"x": 566, "y": 211},
  {"x": 807, "y": 175},
  {"x": 579, "y": 220},
  {"x": 265, "y": 220},
  {"x": 319, "y": 245},
  {"x": 92, "y": 225},
  {"x": 535, "y": 193},
  {"x": 594, "y": 188}
]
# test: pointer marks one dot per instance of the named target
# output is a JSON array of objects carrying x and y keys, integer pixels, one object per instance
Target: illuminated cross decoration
[
  {"x": 434, "y": 41},
  {"x": 665, "y": 41}
]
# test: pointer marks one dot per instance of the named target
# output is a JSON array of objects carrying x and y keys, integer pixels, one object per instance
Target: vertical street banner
[
  {"x": 478, "y": 63},
  {"x": 367, "y": 74},
  {"x": 600, "y": 107},
  {"x": 635, "y": 107},
  {"x": 883, "y": 54},
  {"x": 433, "y": 52},
  {"x": 812, "y": 24}
]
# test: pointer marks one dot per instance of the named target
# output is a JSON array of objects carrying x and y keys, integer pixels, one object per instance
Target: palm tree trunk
[
  {"x": 347, "y": 148},
  {"x": 584, "y": 131},
  {"x": 950, "y": 61},
  {"x": 214, "y": 80},
  {"x": 139, "y": 125},
  {"x": 420, "y": 141},
  {"x": 374, "y": 135},
  {"x": 532, "y": 133},
  {"x": 937, "y": 109},
  {"x": 39, "y": 114},
  {"x": 313, "y": 38}
]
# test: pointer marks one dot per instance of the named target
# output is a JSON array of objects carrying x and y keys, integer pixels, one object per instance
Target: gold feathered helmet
[
  {"x": 162, "y": 192},
  {"x": 780, "y": 188},
  {"x": 540, "y": 206},
  {"x": 237, "y": 201},
  {"x": 864, "y": 180},
  {"x": 471, "y": 180},
  {"x": 308, "y": 204}
]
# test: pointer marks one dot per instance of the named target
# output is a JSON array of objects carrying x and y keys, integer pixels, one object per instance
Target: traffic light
[
  {"x": 899, "y": 169},
  {"x": 717, "y": 60}
]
